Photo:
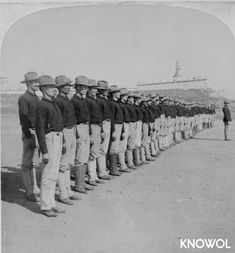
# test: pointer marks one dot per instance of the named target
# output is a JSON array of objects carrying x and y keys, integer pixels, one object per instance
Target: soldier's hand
[
  {"x": 103, "y": 135},
  {"x": 114, "y": 137},
  {"x": 63, "y": 149},
  {"x": 45, "y": 158},
  {"x": 91, "y": 140},
  {"x": 123, "y": 136}
]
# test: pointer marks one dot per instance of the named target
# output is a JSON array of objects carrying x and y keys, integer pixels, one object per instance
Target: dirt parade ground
[{"x": 188, "y": 192}]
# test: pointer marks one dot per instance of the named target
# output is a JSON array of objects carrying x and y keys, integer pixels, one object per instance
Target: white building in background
[{"x": 176, "y": 82}]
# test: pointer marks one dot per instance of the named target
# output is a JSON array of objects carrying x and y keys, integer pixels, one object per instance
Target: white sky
[{"x": 120, "y": 43}]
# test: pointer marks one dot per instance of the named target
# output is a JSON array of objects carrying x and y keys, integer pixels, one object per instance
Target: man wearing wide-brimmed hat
[
  {"x": 226, "y": 119},
  {"x": 131, "y": 142},
  {"x": 102, "y": 99},
  {"x": 82, "y": 133},
  {"x": 116, "y": 129},
  {"x": 125, "y": 132},
  {"x": 95, "y": 131},
  {"x": 63, "y": 84},
  {"x": 27, "y": 112},
  {"x": 49, "y": 127},
  {"x": 139, "y": 125},
  {"x": 144, "y": 150}
]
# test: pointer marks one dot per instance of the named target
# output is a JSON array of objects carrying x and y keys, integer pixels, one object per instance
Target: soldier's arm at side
[
  {"x": 40, "y": 129},
  {"x": 24, "y": 121}
]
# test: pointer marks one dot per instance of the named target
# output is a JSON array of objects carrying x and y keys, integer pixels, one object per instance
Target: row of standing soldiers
[{"x": 98, "y": 134}]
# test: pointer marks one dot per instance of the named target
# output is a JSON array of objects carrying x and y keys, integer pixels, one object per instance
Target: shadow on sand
[
  {"x": 13, "y": 189},
  {"x": 207, "y": 139}
]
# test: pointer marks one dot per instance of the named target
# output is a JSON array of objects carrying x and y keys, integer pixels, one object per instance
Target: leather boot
[
  {"x": 26, "y": 176},
  {"x": 121, "y": 161},
  {"x": 136, "y": 154},
  {"x": 86, "y": 186},
  {"x": 129, "y": 158},
  {"x": 142, "y": 155},
  {"x": 36, "y": 190},
  {"x": 152, "y": 148},
  {"x": 147, "y": 152},
  {"x": 113, "y": 165},
  {"x": 80, "y": 179}
]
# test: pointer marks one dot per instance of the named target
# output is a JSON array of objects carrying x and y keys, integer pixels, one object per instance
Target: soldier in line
[
  {"x": 82, "y": 133},
  {"x": 131, "y": 141},
  {"x": 102, "y": 99},
  {"x": 145, "y": 144},
  {"x": 139, "y": 124},
  {"x": 117, "y": 131},
  {"x": 27, "y": 111},
  {"x": 226, "y": 119},
  {"x": 96, "y": 131},
  {"x": 152, "y": 118},
  {"x": 63, "y": 85},
  {"x": 126, "y": 130},
  {"x": 49, "y": 127}
]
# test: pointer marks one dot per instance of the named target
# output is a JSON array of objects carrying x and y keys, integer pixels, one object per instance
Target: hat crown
[
  {"x": 124, "y": 91},
  {"x": 91, "y": 82},
  {"x": 45, "y": 80},
  {"x": 30, "y": 76},
  {"x": 81, "y": 80},
  {"x": 114, "y": 88},
  {"x": 62, "y": 80},
  {"x": 102, "y": 84}
]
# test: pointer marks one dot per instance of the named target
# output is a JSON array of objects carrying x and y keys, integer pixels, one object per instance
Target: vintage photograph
[{"x": 117, "y": 132}]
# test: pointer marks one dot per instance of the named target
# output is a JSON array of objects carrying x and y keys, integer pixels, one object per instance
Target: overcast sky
[{"x": 123, "y": 44}]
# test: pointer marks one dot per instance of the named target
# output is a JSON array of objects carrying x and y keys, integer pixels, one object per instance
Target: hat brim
[
  {"x": 48, "y": 84},
  {"x": 102, "y": 88},
  {"x": 36, "y": 80},
  {"x": 81, "y": 84},
  {"x": 112, "y": 91},
  {"x": 67, "y": 83}
]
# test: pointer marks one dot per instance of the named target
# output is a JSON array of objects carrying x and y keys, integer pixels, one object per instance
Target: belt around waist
[
  {"x": 107, "y": 120},
  {"x": 83, "y": 123},
  {"x": 97, "y": 124},
  {"x": 69, "y": 127}
]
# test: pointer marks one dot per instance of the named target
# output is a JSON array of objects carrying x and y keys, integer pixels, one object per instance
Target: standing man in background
[
  {"x": 95, "y": 131},
  {"x": 49, "y": 127},
  {"x": 227, "y": 118},
  {"x": 82, "y": 133},
  {"x": 63, "y": 84},
  {"x": 27, "y": 112},
  {"x": 102, "y": 99}
]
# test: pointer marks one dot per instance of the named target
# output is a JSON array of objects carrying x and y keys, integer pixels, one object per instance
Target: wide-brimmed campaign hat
[
  {"x": 91, "y": 83},
  {"x": 134, "y": 95},
  {"x": 30, "y": 76},
  {"x": 114, "y": 88},
  {"x": 81, "y": 80},
  {"x": 102, "y": 85},
  {"x": 46, "y": 80},
  {"x": 124, "y": 91},
  {"x": 144, "y": 98},
  {"x": 62, "y": 80},
  {"x": 226, "y": 102}
]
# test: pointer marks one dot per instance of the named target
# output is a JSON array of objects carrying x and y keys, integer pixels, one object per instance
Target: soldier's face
[
  {"x": 92, "y": 91},
  {"x": 124, "y": 97},
  {"x": 65, "y": 89},
  {"x": 50, "y": 91},
  {"x": 33, "y": 85},
  {"x": 82, "y": 89},
  {"x": 117, "y": 94}
]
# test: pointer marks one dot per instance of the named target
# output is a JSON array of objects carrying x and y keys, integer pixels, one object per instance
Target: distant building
[{"x": 176, "y": 82}]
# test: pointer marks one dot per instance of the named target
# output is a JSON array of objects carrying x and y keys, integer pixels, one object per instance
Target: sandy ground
[{"x": 188, "y": 192}]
